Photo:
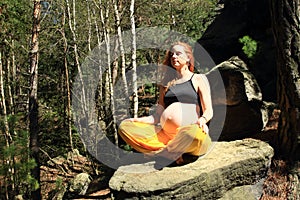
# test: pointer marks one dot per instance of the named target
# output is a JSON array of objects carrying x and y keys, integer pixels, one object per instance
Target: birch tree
[
  {"x": 33, "y": 98},
  {"x": 133, "y": 60},
  {"x": 67, "y": 79},
  {"x": 122, "y": 50},
  {"x": 72, "y": 27},
  {"x": 109, "y": 77},
  {"x": 89, "y": 25},
  {"x": 7, "y": 136}
]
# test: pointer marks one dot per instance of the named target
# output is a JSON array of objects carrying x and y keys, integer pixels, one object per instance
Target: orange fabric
[{"x": 146, "y": 138}]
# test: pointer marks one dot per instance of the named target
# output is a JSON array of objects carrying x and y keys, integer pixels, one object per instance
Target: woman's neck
[{"x": 184, "y": 72}]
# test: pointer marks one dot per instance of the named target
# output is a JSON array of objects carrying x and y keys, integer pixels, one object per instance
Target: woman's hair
[
  {"x": 169, "y": 72},
  {"x": 188, "y": 50}
]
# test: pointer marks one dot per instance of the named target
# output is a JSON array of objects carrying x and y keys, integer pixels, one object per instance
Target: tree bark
[
  {"x": 7, "y": 136},
  {"x": 89, "y": 25},
  {"x": 286, "y": 30},
  {"x": 133, "y": 60},
  {"x": 67, "y": 82},
  {"x": 33, "y": 99},
  {"x": 120, "y": 38},
  {"x": 83, "y": 103},
  {"x": 109, "y": 78},
  {"x": 10, "y": 78}
]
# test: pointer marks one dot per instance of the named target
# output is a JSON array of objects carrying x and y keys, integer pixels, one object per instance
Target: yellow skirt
[{"x": 147, "y": 138}]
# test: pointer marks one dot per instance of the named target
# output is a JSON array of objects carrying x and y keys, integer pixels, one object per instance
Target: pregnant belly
[{"x": 178, "y": 114}]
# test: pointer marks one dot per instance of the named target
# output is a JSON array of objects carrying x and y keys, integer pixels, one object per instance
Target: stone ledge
[{"x": 226, "y": 166}]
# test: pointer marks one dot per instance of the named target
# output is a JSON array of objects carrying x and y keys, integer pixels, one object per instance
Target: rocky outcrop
[
  {"x": 236, "y": 19},
  {"x": 246, "y": 112},
  {"x": 228, "y": 169}
]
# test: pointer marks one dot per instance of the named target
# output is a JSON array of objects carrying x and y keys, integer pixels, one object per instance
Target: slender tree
[
  {"x": 11, "y": 75},
  {"x": 7, "y": 136},
  {"x": 121, "y": 45},
  {"x": 33, "y": 98},
  {"x": 89, "y": 25},
  {"x": 109, "y": 77},
  {"x": 67, "y": 80},
  {"x": 133, "y": 60},
  {"x": 72, "y": 27},
  {"x": 286, "y": 29}
]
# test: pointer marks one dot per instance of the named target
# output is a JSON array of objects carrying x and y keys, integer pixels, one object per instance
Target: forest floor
[{"x": 282, "y": 181}]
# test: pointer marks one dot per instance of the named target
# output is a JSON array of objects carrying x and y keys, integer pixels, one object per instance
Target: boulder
[
  {"x": 239, "y": 83},
  {"x": 78, "y": 186},
  {"x": 235, "y": 19},
  {"x": 80, "y": 183},
  {"x": 229, "y": 169},
  {"x": 246, "y": 112}
]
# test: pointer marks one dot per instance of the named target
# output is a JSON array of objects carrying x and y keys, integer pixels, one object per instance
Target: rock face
[
  {"x": 246, "y": 112},
  {"x": 236, "y": 19},
  {"x": 229, "y": 167}
]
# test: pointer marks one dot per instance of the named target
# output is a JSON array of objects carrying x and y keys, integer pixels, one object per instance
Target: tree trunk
[
  {"x": 67, "y": 82},
  {"x": 7, "y": 136},
  {"x": 133, "y": 60},
  {"x": 109, "y": 83},
  {"x": 98, "y": 35},
  {"x": 33, "y": 100},
  {"x": 83, "y": 103},
  {"x": 120, "y": 38},
  {"x": 10, "y": 78},
  {"x": 286, "y": 30},
  {"x": 89, "y": 25}
]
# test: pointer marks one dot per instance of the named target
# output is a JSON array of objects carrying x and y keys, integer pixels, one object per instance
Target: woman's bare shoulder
[{"x": 201, "y": 78}]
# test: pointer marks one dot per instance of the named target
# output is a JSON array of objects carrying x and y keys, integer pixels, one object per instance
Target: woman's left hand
[{"x": 202, "y": 124}]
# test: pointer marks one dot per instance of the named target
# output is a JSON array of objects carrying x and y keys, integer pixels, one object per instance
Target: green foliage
[
  {"x": 127, "y": 147},
  {"x": 150, "y": 89},
  {"x": 188, "y": 17},
  {"x": 53, "y": 130},
  {"x": 15, "y": 162},
  {"x": 15, "y": 23},
  {"x": 249, "y": 46}
]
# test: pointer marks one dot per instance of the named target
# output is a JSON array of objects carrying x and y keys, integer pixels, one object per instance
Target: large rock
[
  {"x": 246, "y": 112},
  {"x": 77, "y": 186},
  {"x": 228, "y": 168},
  {"x": 236, "y": 19},
  {"x": 239, "y": 83}
]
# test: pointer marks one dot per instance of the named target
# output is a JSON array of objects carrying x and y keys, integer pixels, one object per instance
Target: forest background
[{"x": 43, "y": 44}]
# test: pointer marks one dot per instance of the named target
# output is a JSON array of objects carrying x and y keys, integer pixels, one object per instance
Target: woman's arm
[
  {"x": 154, "y": 118},
  {"x": 203, "y": 89}
]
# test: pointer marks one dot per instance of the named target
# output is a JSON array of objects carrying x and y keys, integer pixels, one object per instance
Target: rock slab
[{"x": 229, "y": 165}]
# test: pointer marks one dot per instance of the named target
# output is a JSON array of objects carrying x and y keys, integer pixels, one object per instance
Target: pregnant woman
[{"x": 179, "y": 125}]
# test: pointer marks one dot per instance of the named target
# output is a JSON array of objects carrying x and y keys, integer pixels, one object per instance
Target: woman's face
[{"x": 178, "y": 57}]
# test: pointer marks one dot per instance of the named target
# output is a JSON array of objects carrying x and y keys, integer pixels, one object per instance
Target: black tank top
[{"x": 182, "y": 92}]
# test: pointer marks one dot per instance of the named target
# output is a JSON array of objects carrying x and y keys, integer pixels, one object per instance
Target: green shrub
[
  {"x": 249, "y": 46},
  {"x": 15, "y": 162}
]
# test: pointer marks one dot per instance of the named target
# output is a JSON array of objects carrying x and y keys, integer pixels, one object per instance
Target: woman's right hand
[{"x": 202, "y": 124}]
